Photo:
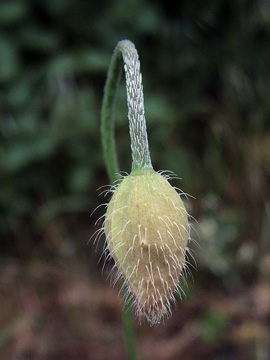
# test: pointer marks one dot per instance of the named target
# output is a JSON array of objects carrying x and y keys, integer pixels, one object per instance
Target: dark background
[{"x": 205, "y": 67}]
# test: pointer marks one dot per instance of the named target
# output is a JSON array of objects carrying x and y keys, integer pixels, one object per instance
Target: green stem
[
  {"x": 107, "y": 117},
  {"x": 125, "y": 52},
  {"x": 129, "y": 330},
  {"x": 137, "y": 125}
]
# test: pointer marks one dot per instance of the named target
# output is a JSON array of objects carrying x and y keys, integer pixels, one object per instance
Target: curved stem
[
  {"x": 126, "y": 51},
  {"x": 107, "y": 117},
  {"x": 135, "y": 101}
]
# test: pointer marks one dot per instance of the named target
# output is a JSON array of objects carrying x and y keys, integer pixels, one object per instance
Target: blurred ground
[
  {"x": 57, "y": 310},
  {"x": 206, "y": 77}
]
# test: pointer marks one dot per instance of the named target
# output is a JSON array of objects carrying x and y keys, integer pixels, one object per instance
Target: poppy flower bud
[{"x": 147, "y": 232}]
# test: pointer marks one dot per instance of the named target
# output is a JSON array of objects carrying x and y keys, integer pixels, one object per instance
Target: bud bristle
[{"x": 147, "y": 233}]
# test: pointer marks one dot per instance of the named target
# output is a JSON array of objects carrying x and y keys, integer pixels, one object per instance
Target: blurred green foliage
[
  {"x": 212, "y": 326},
  {"x": 205, "y": 69}
]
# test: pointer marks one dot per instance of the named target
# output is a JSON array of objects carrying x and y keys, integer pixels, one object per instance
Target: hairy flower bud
[{"x": 147, "y": 232}]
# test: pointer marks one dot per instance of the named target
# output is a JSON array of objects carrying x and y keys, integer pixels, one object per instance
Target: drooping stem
[{"x": 125, "y": 50}]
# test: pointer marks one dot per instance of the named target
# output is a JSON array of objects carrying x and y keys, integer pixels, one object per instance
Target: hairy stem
[{"x": 126, "y": 51}]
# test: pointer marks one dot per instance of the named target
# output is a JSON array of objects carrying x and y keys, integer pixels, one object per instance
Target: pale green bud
[{"x": 147, "y": 232}]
